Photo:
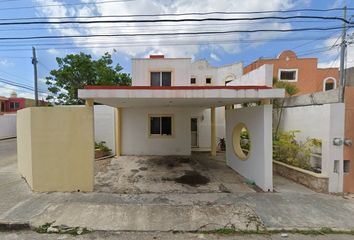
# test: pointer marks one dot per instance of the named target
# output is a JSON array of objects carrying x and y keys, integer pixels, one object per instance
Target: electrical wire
[
  {"x": 177, "y": 20},
  {"x": 3, "y": 80},
  {"x": 178, "y": 14},
  {"x": 171, "y": 33}
]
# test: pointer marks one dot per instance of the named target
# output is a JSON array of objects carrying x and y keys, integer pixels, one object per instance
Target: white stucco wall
[
  {"x": 201, "y": 69},
  {"x": 204, "y": 128},
  {"x": 135, "y": 132},
  {"x": 7, "y": 126},
  {"x": 229, "y": 72},
  {"x": 324, "y": 122},
  {"x": 104, "y": 117},
  {"x": 183, "y": 69},
  {"x": 258, "y": 167},
  {"x": 180, "y": 68},
  {"x": 262, "y": 76}
]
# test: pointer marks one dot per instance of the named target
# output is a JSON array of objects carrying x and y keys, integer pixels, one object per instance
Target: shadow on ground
[{"x": 198, "y": 173}]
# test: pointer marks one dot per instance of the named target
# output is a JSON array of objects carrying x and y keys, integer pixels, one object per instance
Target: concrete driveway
[
  {"x": 169, "y": 211},
  {"x": 198, "y": 173}
]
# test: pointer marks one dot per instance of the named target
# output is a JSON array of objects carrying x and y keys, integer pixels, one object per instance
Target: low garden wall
[
  {"x": 314, "y": 181},
  {"x": 7, "y": 126}
]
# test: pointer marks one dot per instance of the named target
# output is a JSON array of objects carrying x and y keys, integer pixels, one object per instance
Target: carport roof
[{"x": 177, "y": 96}]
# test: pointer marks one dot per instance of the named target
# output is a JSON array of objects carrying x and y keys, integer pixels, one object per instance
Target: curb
[{"x": 14, "y": 225}]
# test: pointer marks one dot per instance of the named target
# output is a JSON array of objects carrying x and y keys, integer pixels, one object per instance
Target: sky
[{"x": 218, "y": 49}]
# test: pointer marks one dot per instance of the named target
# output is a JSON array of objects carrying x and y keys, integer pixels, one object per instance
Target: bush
[
  {"x": 287, "y": 150},
  {"x": 102, "y": 146}
]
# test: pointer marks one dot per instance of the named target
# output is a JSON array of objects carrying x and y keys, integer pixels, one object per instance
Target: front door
[{"x": 194, "y": 132}]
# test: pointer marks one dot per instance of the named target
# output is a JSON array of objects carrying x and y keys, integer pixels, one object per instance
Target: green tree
[
  {"x": 75, "y": 71},
  {"x": 290, "y": 90}
]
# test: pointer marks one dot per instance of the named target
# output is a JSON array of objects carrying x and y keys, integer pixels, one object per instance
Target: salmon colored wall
[
  {"x": 21, "y": 101},
  {"x": 349, "y": 133},
  {"x": 310, "y": 78}
]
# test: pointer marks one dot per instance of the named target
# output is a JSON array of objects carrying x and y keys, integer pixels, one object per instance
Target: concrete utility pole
[
  {"x": 34, "y": 62},
  {"x": 343, "y": 48}
]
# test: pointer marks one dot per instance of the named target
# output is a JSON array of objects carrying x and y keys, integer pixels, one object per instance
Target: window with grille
[
  {"x": 160, "y": 78},
  {"x": 161, "y": 125},
  {"x": 288, "y": 75}
]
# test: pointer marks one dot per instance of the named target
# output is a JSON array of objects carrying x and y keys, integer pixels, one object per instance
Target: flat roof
[{"x": 177, "y": 96}]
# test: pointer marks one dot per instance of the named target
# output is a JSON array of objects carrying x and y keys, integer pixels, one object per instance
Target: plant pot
[{"x": 99, "y": 153}]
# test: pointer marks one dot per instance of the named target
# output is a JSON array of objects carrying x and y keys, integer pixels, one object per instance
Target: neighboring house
[
  {"x": 303, "y": 72},
  {"x": 2, "y": 104},
  {"x": 14, "y": 103},
  {"x": 348, "y": 162}
]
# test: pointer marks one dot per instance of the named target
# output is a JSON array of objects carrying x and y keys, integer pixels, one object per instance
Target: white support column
[
  {"x": 213, "y": 132},
  {"x": 118, "y": 131}
]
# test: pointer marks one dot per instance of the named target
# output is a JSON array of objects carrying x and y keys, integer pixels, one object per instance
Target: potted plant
[
  {"x": 101, "y": 150},
  {"x": 222, "y": 144}
]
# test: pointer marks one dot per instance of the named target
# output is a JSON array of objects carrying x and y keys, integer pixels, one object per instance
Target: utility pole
[
  {"x": 34, "y": 62},
  {"x": 343, "y": 48}
]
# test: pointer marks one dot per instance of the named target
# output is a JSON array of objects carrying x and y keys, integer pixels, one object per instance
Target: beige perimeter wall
[{"x": 56, "y": 148}]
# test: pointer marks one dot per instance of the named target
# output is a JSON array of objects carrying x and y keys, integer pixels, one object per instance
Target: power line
[
  {"x": 158, "y": 41},
  {"x": 176, "y": 20},
  {"x": 170, "y": 33},
  {"x": 179, "y": 14},
  {"x": 18, "y": 85},
  {"x": 316, "y": 39},
  {"x": 134, "y": 44},
  {"x": 154, "y": 25}
]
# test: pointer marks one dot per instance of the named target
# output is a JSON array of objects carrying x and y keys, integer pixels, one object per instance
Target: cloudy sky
[{"x": 218, "y": 49}]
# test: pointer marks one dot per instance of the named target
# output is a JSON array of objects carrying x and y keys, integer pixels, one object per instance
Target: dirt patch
[{"x": 192, "y": 178}]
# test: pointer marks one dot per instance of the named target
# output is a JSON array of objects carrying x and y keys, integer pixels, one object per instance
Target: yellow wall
[
  {"x": 60, "y": 149},
  {"x": 24, "y": 150}
]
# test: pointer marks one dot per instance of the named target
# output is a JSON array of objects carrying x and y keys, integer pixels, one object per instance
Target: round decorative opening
[{"x": 241, "y": 141}]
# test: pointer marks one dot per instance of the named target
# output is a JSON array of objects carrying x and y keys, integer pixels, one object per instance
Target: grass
[{"x": 72, "y": 231}]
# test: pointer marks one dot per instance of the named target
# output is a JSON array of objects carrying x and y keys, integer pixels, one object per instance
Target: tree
[
  {"x": 290, "y": 90},
  {"x": 75, "y": 71}
]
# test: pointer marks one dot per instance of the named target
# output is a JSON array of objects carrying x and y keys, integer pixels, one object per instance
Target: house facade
[
  {"x": 175, "y": 106},
  {"x": 303, "y": 72},
  {"x": 160, "y": 71},
  {"x": 14, "y": 103}
]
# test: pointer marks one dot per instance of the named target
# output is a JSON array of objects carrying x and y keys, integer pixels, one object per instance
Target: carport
[{"x": 135, "y": 102}]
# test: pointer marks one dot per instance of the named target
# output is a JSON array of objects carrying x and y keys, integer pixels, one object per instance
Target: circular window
[{"x": 241, "y": 141}]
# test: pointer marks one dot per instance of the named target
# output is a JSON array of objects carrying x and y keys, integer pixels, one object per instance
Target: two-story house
[
  {"x": 159, "y": 71},
  {"x": 303, "y": 72},
  {"x": 176, "y": 105}
]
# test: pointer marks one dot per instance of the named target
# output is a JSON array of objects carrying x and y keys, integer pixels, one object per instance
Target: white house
[
  {"x": 175, "y": 104},
  {"x": 160, "y": 71}
]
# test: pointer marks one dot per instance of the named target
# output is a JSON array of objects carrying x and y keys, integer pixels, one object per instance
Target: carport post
[
  {"x": 265, "y": 101},
  {"x": 118, "y": 131},
  {"x": 89, "y": 103},
  {"x": 213, "y": 132}
]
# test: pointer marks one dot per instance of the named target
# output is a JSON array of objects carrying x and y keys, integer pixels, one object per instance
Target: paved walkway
[{"x": 161, "y": 212}]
